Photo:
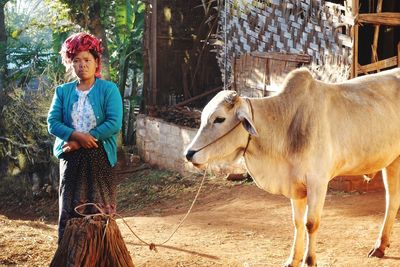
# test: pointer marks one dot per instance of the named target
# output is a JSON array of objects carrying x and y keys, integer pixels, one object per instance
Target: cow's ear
[{"x": 244, "y": 116}]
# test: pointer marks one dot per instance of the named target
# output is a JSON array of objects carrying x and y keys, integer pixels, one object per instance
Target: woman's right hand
[
  {"x": 85, "y": 140},
  {"x": 71, "y": 146}
]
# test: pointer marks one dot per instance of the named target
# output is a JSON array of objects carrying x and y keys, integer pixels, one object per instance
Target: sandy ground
[{"x": 231, "y": 225}]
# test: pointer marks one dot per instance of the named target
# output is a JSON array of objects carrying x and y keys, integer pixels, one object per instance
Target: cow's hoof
[
  {"x": 376, "y": 252},
  {"x": 293, "y": 263},
  {"x": 311, "y": 261},
  {"x": 289, "y": 264}
]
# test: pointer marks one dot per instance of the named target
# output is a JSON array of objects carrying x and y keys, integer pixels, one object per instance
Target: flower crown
[{"x": 81, "y": 42}]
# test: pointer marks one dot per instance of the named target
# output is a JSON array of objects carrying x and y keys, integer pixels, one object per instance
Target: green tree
[
  {"x": 127, "y": 59},
  {"x": 3, "y": 67},
  {"x": 89, "y": 15},
  {"x": 30, "y": 45},
  {"x": 129, "y": 19},
  {"x": 3, "y": 48},
  {"x": 119, "y": 24},
  {"x": 24, "y": 142}
]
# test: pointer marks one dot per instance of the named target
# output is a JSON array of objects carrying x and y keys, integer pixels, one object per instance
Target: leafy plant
[
  {"x": 26, "y": 144},
  {"x": 129, "y": 20},
  {"x": 31, "y": 43},
  {"x": 119, "y": 24}
]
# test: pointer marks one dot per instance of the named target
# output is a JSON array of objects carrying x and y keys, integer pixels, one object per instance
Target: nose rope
[
  {"x": 216, "y": 140},
  {"x": 219, "y": 138},
  {"x": 252, "y": 118}
]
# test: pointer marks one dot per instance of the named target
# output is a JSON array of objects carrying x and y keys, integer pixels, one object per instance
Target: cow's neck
[
  {"x": 267, "y": 155},
  {"x": 273, "y": 118}
]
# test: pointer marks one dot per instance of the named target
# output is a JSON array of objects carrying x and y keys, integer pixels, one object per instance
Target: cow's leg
[
  {"x": 298, "y": 212},
  {"x": 316, "y": 192},
  {"x": 391, "y": 179}
]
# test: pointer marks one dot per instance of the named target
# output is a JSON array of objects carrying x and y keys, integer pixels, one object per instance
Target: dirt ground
[{"x": 232, "y": 224}]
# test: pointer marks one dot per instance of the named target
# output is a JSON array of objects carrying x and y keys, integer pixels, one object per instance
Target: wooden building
[
  {"x": 342, "y": 38},
  {"x": 179, "y": 61},
  {"x": 260, "y": 41}
]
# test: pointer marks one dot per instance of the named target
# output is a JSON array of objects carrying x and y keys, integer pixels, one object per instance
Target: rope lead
[{"x": 152, "y": 246}]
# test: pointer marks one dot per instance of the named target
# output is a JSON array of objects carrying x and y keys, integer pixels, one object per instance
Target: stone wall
[{"x": 162, "y": 144}]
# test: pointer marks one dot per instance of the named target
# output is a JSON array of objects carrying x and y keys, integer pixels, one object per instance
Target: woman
[{"x": 85, "y": 116}]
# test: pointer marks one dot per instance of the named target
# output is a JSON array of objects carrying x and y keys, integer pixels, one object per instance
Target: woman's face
[{"x": 85, "y": 65}]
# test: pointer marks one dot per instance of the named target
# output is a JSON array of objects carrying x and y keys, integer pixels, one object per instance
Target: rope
[
  {"x": 233, "y": 128},
  {"x": 249, "y": 137},
  {"x": 152, "y": 245}
]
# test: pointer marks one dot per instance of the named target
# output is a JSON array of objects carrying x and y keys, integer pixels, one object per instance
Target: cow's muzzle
[{"x": 190, "y": 154}]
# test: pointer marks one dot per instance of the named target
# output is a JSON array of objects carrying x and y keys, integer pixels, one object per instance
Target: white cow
[{"x": 295, "y": 142}]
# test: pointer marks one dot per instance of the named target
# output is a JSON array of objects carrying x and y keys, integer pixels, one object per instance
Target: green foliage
[
  {"x": 126, "y": 56},
  {"x": 26, "y": 142},
  {"x": 34, "y": 29},
  {"x": 123, "y": 22},
  {"x": 28, "y": 61},
  {"x": 127, "y": 39}
]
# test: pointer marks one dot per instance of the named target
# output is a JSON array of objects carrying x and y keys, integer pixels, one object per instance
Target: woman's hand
[
  {"x": 70, "y": 146},
  {"x": 84, "y": 139}
]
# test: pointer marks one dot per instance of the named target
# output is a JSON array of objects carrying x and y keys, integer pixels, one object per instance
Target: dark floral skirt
[{"x": 86, "y": 176}]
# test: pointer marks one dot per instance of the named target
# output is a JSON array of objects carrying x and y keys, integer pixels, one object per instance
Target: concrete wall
[{"x": 162, "y": 144}]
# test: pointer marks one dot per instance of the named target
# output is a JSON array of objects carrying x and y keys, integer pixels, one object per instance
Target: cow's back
[{"x": 364, "y": 121}]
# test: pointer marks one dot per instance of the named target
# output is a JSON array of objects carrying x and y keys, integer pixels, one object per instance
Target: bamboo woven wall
[
  {"x": 259, "y": 74},
  {"x": 316, "y": 28}
]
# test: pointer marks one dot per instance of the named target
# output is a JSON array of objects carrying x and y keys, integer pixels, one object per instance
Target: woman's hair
[{"x": 79, "y": 42}]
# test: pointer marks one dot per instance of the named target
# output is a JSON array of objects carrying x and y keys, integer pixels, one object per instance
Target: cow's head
[{"x": 226, "y": 123}]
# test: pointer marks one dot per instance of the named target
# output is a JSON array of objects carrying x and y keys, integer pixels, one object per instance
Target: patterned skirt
[{"x": 86, "y": 176}]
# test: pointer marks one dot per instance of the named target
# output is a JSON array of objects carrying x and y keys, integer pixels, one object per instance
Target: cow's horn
[{"x": 231, "y": 98}]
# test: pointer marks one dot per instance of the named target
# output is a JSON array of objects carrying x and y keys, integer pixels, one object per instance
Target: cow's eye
[{"x": 219, "y": 120}]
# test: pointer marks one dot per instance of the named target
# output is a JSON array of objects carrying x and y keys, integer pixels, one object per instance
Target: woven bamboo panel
[
  {"x": 316, "y": 28},
  {"x": 260, "y": 74}
]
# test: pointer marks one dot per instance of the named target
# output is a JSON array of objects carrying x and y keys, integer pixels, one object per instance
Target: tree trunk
[
  {"x": 92, "y": 21},
  {"x": 3, "y": 67},
  {"x": 3, "y": 49},
  {"x": 96, "y": 27}
]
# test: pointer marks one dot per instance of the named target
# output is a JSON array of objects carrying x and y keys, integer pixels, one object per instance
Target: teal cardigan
[{"x": 107, "y": 107}]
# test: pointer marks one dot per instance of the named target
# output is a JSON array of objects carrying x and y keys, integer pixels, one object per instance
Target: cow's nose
[{"x": 190, "y": 154}]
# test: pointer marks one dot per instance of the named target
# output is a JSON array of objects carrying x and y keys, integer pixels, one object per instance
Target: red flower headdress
[{"x": 81, "y": 42}]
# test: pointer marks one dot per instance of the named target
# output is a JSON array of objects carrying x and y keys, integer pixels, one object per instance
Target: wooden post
[
  {"x": 266, "y": 76},
  {"x": 374, "y": 54},
  {"x": 354, "y": 69},
  {"x": 153, "y": 72},
  {"x": 398, "y": 54},
  {"x": 234, "y": 74},
  {"x": 355, "y": 52},
  {"x": 186, "y": 92},
  {"x": 246, "y": 70}
]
